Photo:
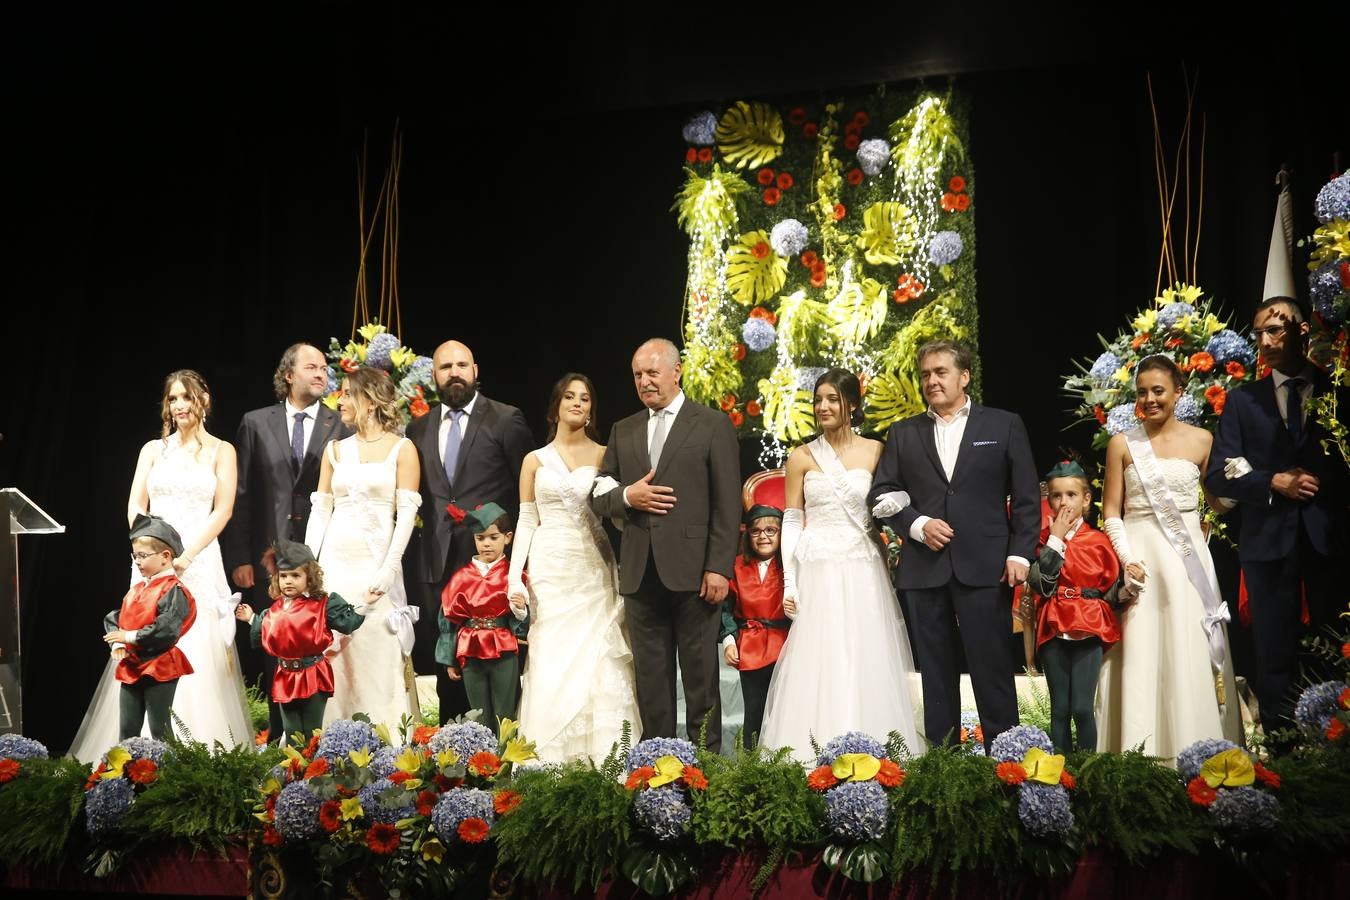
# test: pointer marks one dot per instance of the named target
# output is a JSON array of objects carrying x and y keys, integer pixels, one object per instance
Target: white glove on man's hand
[{"x": 1236, "y": 467}]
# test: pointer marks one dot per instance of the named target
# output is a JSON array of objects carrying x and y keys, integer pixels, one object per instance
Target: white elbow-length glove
[
  {"x": 320, "y": 513},
  {"x": 405, "y": 518},
  {"x": 792, "y": 532},
  {"x": 526, "y": 523},
  {"x": 1114, "y": 528}
]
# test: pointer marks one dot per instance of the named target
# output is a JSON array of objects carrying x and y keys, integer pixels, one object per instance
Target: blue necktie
[
  {"x": 452, "y": 446},
  {"x": 298, "y": 440},
  {"x": 1294, "y": 409}
]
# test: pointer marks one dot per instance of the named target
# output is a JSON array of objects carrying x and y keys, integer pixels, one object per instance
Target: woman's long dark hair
[
  {"x": 850, "y": 391},
  {"x": 555, "y": 401}
]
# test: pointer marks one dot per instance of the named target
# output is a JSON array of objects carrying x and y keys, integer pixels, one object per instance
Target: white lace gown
[
  {"x": 1157, "y": 684},
  {"x": 578, "y": 682},
  {"x": 846, "y": 663},
  {"x": 210, "y": 702},
  {"x": 371, "y": 673}
]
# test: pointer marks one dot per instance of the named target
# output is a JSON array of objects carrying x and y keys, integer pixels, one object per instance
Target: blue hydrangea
[
  {"x": 945, "y": 248},
  {"x": 16, "y": 746},
  {"x": 1317, "y": 704},
  {"x": 807, "y": 376},
  {"x": 1044, "y": 808},
  {"x": 758, "y": 334},
  {"x": 1188, "y": 410},
  {"x": 334, "y": 383},
  {"x": 647, "y": 752},
  {"x": 106, "y": 803},
  {"x": 382, "y": 763},
  {"x": 701, "y": 129},
  {"x": 873, "y": 155},
  {"x": 1173, "y": 313},
  {"x": 458, "y": 804},
  {"x": 850, "y": 742},
  {"x": 281, "y": 772},
  {"x": 1105, "y": 367},
  {"x": 1013, "y": 744},
  {"x": 297, "y": 812},
  {"x": 1245, "y": 810},
  {"x": 1228, "y": 346},
  {"x": 1324, "y": 285},
  {"x": 1121, "y": 418},
  {"x": 1333, "y": 200},
  {"x": 857, "y": 810},
  {"x": 379, "y": 348},
  {"x": 788, "y": 238},
  {"x": 346, "y": 735},
  {"x": 465, "y": 738},
  {"x": 376, "y": 810},
  {"x": 419, "y": 370},
  {"x": 1193, "y": 757},
  {"x": 662, "y": 812},
  {"x": 144, "y": 748}
]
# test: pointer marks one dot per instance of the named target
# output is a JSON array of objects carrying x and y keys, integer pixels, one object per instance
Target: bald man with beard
[{"x": 471, "y": 449}]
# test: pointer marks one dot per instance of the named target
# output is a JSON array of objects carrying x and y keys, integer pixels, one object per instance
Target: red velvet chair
[{"x": 767, "y": 488}]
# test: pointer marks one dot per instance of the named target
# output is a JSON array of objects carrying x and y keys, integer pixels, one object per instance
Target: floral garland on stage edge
[
  {"x": 856, "y": 774},
  {"x": 1329, "y": 288},
  {"x": 825, "y": 235},
  {"x": 414, "y": 383}
]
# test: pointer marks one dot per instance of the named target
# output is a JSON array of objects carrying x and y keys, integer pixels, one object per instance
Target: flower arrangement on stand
[
  {"x": 1027, "y": 761},
  {"x": 414, "y": 383},
  {"x": 14, "y": 750},
  {"x": 1329, "y": 287},
  {"x": 662, "y": 773},
  {"x": 856, "y": 774},
  {"x": 1237, "y": 791},
  {"x": 124, "y": 772},
  {"x": 1323, "y": 711}
]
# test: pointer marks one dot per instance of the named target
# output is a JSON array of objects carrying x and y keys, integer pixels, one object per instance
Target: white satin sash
[{"x": 833, "y": 468}]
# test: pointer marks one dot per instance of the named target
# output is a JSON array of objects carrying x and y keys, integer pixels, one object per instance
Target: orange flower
[
  {"x": 260, "y": 739},
  {"x": 691, "y": 156},
  {"x": 737, "y": 419},
  {"x": 785, "y": 181},
  {"x": 1345, "y": 699},
  {"x": 272, "y": 837},
  {"x": 900, "y": 296},
  {"x": 1139, "y": 340},
  {"x": 765, "y": 177},
  {"x": 311, "y": 747},
  {"x": 399, "y": 776},
  {"x": 484, "y": 764},
  {"x": 1267, "y": 777},
  {"x": 1011, "y": 773},
  {"x": 1067, "y": 780},
  {"x": 1100, "y": 414},
  {"x": 1345, "y": 650},
  {"x": 330, "y": 816},
  {"x": 142, "y": 771},
  {"x": 1173, "y": 342},
  {"x": 821, "y": 779},
  {"x": 962, "y": 202},
  {"x": 297, "y": 767},
  {"x": 705, "y": 154},
  {"x": 270, "y": 806},
  {"x": 639, "y": 777},
  {"x": 796, "y": 115},
  {"x": 810, "y": 129},
  {"x": 426, "y": 802},
  {"x": 957, "y": 184},
  {"x": 1201, "y": 794},
  {"x": 505, "y": 801},
  {"x": 772, "y": 196},
  {"x": 1202, "y": 361},
  {"x": 318, "y": 767},
  {"x": 418, "y": 408},
  {"x": 383, "y": 838},
  {"x": 851, "y": 141},
  {"x": 473, "y": 830},
  {"x": 9, "y": 770},
  {"x": 809, "y": 259},
  {"x": 949, "y": 202},
  {"x": 818, "y": 277},
  {"x": 890, "y": 774},
  {"x": 738, "y": 351},
  {"x": 752, "y": 408},
  {"x": 1236, "y": 369},
  {"x": 855, "y": 176},
  {"x": 761, "y": 249},
  {"x": 694, "y": 777},
  {"x": 1335, "y": 730},
  {"x": 442, "y": 783},
  {"x": 423, "y": 734},
  {"x": 840, "y": 210},
  {"x": 862, "y": 118},
  {"x": 1216, "y": 396},
  {"x": 93, "y": 776},
  {"x": 345, "y": 792},
  {"x": 728, "y": 402}
]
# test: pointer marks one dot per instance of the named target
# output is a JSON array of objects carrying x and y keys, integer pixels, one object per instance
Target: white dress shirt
[
  {"x": 446, "y": 422},
  {"x": 671, "y": 410},
  {"x": 311, "y": 416},
  {"x": 1282, "y": 393}
]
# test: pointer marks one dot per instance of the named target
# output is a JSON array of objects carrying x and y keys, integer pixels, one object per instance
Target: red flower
[
  {"x": 818, "y": 277},
  {"x": 1345, "y": 650},
  {"x": 705, "y": 154},
  {"x": 855, "y": 176},
  {"x": 1236, "y": 369},
  {"x": 809, "y": 259},
  {"x": 737, "y": 419},
  {"x": 772, "y": 196},
  {"x": 318, "y": 767},
  {"x": 399, "y": 776},
  {"x": 9, "y": 770},
  {"x": 473, "y": 830},
  {"x": 728, "y": 402},
  {"x": 957, "y": 184},
  {"x": 419, "y": 408},
  {"x": 691, "y": 156},
  {"x": 796, "y": 115},
  {"x": 311, "y": 748},
  {"x": 1011, "y": 773},
  {"x": 1267, "y": 777},
  {"x": 1345, "y": 699},
  {"x": 962, "y": 202},
  {"x": 853, "y": 128},
  {"x": 821, "y": 779},
  {"x": 455, "y": 512},
  {"x": 272, "y": 837},
  {"x": 142, "y": 771},
  {"x": 910, "y": 285},
  {"x": 1345, "y": 275},
  {"x": 1201, "y": 794},
  {"x": 505, "y": 801},
  {"x": 260, "y": 739},
  {"x": 1216, "y": 396},
  {"x": 761, "y": 249},
  {"x": 752, "y": 408},
  {"x": 423, "y": 734},
  {"x": 851, "y": 141},
  {"x": 345, "y": 792},
  {"x": 810, "y": 129},
  {"x": 330, "y": 816},
  {"x": 948, "y": 202},
  {"x": 270, "y": 806},
  {"x": 840, "y": 210},
  {"x": 1067, "y": 780},
  {"x": 442, "y": 783},
  {"x": 1335, "y": 730},
  {"x": 785, "y": 181},
  {"x": 890, "y": 774},
  {"x": 426, "y": 802},
  {"x": 1139, "y": 340},
  {"x": 639, "y": 777},
  {"x": 694, "y": 777},
  {"x": 383, "y": 838},
  {"x": 349, "y": 365},
  {"x": 900, "y": 296},
  {"x": 767, "y": 315},
  {"x": 1173, "y": 343},
  {"x": 1100, "y": 414},
  {"x": 862, "y": 118},
  {"x": 738, "y": 351},
  {"x": 765, "y": 177},
  {"x": 484, "y": 764},
  {"x": 1202, "y": 361},
  {"x": 297, "y": 767}
]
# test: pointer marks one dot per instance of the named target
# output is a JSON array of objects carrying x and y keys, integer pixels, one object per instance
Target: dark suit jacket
[
  {"x": 272, "y": 500},
  {"x": 994, "y": 463},
  {"x": 495, "y": 442},
  {"x": 702, "y": 462},
  {"x": 1251, "y": 427}
]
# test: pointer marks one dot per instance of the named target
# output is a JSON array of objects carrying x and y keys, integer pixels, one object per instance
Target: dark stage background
[{"x": 182, "y": 193}]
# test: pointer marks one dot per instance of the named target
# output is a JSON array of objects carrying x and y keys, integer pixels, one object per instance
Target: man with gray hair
[{"x": 674, "y": 482}]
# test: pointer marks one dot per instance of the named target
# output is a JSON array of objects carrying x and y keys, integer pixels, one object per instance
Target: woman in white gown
[
  {"x": 187, "y": 477},
  {"x": 846, "y": 664},
  {"x": 1169, "y": 681},
  {"x": 362, "y": 517},
  {"x": 578, "y": 682}
]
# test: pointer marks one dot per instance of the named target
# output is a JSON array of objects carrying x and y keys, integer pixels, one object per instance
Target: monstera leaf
[
  {"x": 891, "y": 398},
  {"x": 801, "y": 324},
  {"x": 754, "y": 272},
  {"x": 750, "y": 134},
  {"x": 859, "y": 311},
  {"x": 888, "y": 233},
  {"x": 787, "y": 410}
]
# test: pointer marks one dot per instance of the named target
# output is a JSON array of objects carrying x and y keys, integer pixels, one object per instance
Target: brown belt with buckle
[{"x": 488, "y": 623}]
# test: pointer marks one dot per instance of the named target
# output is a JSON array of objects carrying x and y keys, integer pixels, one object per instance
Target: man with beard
[
  {"x": 279, "y": 449},
  {"x": 471, "y": 449}
]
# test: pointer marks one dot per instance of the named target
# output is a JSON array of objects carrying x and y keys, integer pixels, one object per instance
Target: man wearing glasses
[{"x": 1293, "y": 496}]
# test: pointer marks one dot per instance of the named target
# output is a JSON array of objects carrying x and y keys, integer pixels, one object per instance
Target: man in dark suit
[
  {"x": 959, "y": 483},
  {"x": 677, "y": 468},
  {"x": 1293, "y": 498},
  {"x": 279, "y": 449},
  {"x": 471, "y": 448}
]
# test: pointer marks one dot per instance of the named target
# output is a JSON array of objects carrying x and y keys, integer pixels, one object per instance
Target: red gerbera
[
  {"x": 818, "y": 277},
  {"x": 1067, "y": 780},
  {"x": 728, "y": 402},
  {"x": 957, "y": 184},
  {"x": 948, "y": 202},
  {"x": 311, "y": 748},
  {"x": 142, "y": 771},
  {"x": 455, "y": 512},
  {"x": 862, "y": 118},
  {"x": 1345, "y": 650},
  {"x": 1345, "y": 699},
  {"x": 318, "y": 767},
  {"x": 330, "y": 816},
  {"x": 344, "y": 791},
  {"x": 772, "y": 196},
  {"x": 962, "y": 202},
  {"x": 890, "y": 774},
  {"x": 383, "y": 838},
  {"x": 349, "y": 365},
  {"x": 399, "y": 776},
  {"x": 705, "y": 154},
  {"x": 851, "y": 141},
  {"x": 426, "y": 802},
  {"x": 260, "y": 739},
  {"x": 691, "y": 156},
  {"x": 785, "y": 181},
  {"x": 737, "y": 419},
  {"x": 1139, "y": 340},
  {"x": 752, "y": 408},
  {"x": 297, "y": 767},
  {"x": 1100, "y": 414},
  {"x": 1216, "y": 396},
  {"x": 738, "y": 351},
  {"x": 765, "y": 177},
  {"x": 1200, "y": 792},
  {"x": 810, "y": 130},
  {"x": 1202, "y": 361},
  {"x": 1335, "y": 730},
  {"x": 484, "y": 764},
  {"x": 821, "y": 779},
  {"x": 639, "y": 777},
  {"x": 900, "y": 296},
  {"x": 505, "y": 801},
  {"x": 1011, "y": 773},
  {"x": 419, "y": 408},
  {"x": 853, "y": 128},
  {"x": 9, "y": 770},
  {"x": 473, "y": 830},
  {"x": 423, "y": 734},
  {"x": 840, "y": 210},
  {"x": 761, "y": 249},
  {"x": 443, "y": 783},
  {"x": 272, "y": 837},
  {"x": 809, "y": 259},
  {"x": 693, "y": 775},
  {"x": 1235, "y": 369},
  {"x": 855, "y": 176},
  {"x": 270, "y": 805},
  {"x": 796, "y": 115},
  {"x": 1267, "y": 777}
]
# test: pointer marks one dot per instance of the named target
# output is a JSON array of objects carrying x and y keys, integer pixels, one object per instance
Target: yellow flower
[
  {"x": 668, "y": 769},
  {"x": 433, "y": 850},
  {"x": 519, "y": 750},
  {"x": 855, "y": 767},
  {"x": 402, "y": 356},
  {"x": 1188, "y": 293},
  {"x": 1144, "y": 321},
  {"x": 1122, "y": 375},
  {"x": 382, "y": 732},
  {"x": 1213, "y": 324},
  {"x": 1166, "y": 297},
  {"x": 360, "y": 757},
  {"x": 351, "y": 809},
  {"x": 118, "y": 757},
  {"x": 370, "y": 329},
  {"x": 447, "y": 758},
  {"x": 1231, "y": 768},
  {"x": 408, "y": 761},
  {"x": 269, "y": 787},
  {"x": 1042, "y": 766},
  {"x": 506, "y": 729}
]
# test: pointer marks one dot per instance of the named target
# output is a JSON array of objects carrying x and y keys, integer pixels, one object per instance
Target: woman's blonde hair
[
  {"x": 198, "y": 394},
  {"x": 374, "y": 389}
]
